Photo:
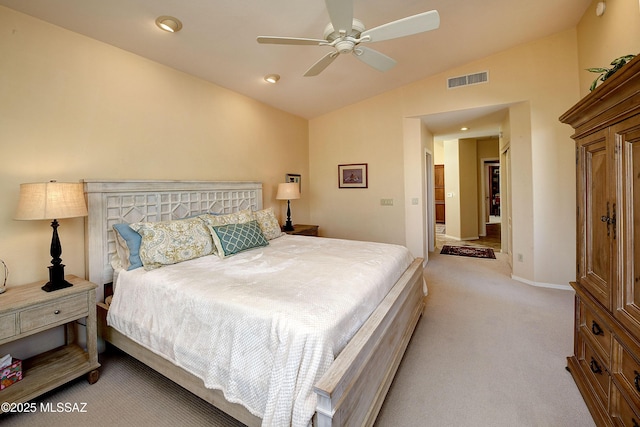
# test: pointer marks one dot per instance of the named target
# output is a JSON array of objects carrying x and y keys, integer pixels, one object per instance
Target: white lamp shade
[
  {"x": 51, "y": 200},
  {"x": 288, "y": 191}
]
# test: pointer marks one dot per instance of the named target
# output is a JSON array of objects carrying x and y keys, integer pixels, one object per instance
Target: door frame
[
  {"x": 485, "y": 162},
  {"x": 430, "y": 200}
]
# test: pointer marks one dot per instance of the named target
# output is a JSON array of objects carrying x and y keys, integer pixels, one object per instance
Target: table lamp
[
  {"x": 288, "y": 191},
  {"x": 52, "y": 201}
]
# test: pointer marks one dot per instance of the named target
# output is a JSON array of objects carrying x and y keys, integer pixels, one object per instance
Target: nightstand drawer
[
  {"x": 7, "y": 326},
  {"x": 56, "y": 312}
]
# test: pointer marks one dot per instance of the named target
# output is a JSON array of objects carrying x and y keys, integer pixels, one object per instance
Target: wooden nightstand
[
  {"x": 304, "y": 230},
  {"x": 27, "y": 310}
]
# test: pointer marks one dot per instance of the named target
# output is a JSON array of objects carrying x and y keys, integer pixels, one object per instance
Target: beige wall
[
  {"x": 461, "y": 188},
  {"x": 601, "y": 39},
  {"x": 468, "y": 169},
  {"x": 371, "y": 131},
  {"x": 452, "y": 205},
  {"x": 74, "y": 108}
]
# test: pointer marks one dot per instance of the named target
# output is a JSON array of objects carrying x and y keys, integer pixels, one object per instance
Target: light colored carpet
[{"x": 489, "y": 351}]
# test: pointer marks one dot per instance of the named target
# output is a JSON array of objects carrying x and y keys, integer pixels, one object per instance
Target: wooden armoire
[{"x": 606, "y": 360}]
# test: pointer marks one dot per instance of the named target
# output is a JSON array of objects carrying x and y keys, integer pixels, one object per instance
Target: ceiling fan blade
[
  {"x": 323, "y": 63},
  {"x": 415, "y": 24},
  {"x": 289, "y": 40},
  {"x": 341, "y": 14},
  {"x": 375, "y": 59}
]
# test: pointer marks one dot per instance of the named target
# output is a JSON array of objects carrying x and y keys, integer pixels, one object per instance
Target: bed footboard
[{"x": 353, "y": 390}]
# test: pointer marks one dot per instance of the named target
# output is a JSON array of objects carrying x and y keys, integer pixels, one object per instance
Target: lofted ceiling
[{"x": 218, "y": 42}]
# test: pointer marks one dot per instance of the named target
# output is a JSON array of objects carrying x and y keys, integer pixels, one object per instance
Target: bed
[{"x": 347, "y": 390}]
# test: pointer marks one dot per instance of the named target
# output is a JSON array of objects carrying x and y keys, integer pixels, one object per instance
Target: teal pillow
[
  {"x": 233, "y": 238},
  {"x": 131, "y": 246}
]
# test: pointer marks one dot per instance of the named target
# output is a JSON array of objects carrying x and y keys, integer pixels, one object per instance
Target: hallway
[{"x": 491, "y": 240}]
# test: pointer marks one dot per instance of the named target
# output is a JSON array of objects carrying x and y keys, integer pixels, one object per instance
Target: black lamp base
[
  {"x": 56, "y": 279},
  {"x": 287, "y": 226},
  {"x": 56, "y": 269}
]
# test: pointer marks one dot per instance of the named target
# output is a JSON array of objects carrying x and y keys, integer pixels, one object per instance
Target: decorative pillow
[
  {"x": 128, "y": 246},
  {"x": 171, "y": 242},
  {"x": 268, "y": 223},
  {"x": 214, "y": 220},
  {"x": 239, "y": 217},
  {"x": 233, "y": 238}
]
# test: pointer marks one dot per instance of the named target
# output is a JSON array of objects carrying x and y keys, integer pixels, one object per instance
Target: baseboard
[{"x": 542, "y": 284}]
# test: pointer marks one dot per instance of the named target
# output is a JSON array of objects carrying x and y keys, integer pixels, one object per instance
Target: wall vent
[{"x": 469, "y": 79}]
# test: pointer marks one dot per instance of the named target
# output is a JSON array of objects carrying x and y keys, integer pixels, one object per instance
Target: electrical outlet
[
  {"x": 415, "y": 201},
  {"x": 520, "y": 258},
  {"x": 386, "y": 202}
]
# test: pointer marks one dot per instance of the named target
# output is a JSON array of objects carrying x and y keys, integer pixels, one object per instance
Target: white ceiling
[{"x": 218, "y": 42}]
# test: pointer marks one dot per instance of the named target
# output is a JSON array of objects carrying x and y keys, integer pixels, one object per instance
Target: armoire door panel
[
  {"x": 594, "y": 243},
  {"x": 627, "y": 139}
]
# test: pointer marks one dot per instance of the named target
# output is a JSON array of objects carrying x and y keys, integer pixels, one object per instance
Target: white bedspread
[{"x": 264, "y": 325}]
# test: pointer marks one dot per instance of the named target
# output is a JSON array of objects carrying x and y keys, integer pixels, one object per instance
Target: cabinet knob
[{"x": 56, "y": 312}]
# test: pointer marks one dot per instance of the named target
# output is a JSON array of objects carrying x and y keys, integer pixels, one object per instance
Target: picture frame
[
  {"x": 293, "y": 177},
  {"x": 354, "y": 175}
]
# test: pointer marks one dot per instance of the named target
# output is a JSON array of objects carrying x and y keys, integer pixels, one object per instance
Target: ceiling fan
[{"x": 347, "y": 35}]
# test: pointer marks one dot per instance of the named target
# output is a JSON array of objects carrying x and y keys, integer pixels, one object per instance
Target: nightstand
[
  {"x": 304, "y": 230},
  {"x": 27, "y": 310}
]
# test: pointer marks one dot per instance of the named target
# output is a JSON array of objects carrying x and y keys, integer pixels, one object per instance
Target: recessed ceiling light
[
  {"x": 169, "y": 24},
  {"x": 272, "y": 78},
  {"x": 464, "y": 128}
]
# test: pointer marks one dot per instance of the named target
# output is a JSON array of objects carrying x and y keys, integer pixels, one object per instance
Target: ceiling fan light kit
[{"x": 345, "y": 34}]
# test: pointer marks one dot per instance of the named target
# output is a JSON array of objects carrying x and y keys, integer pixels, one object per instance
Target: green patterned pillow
[
  {"x": 233, "y": 238},
  {"x": 171, "y": 242},
  {"x": 268, "y": 223}
]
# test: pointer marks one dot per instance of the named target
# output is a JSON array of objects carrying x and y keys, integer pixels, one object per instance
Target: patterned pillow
[
  {"x": 233, "y": 238},
  {"x": 268, "y": 223},
  {"x": 239, "y": 217},
  {"x": 171, "y": 242}
]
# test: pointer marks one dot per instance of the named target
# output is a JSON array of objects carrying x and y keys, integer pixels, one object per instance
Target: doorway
[
  {"x": 492, "y": 212},
  {"x": 438, "y": 182}
]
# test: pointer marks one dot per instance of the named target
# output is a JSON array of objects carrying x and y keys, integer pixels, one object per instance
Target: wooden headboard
[{"x": 112, "y": 202}]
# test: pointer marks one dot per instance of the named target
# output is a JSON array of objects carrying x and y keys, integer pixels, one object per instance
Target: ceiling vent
[{"x": 469, "y": 79}]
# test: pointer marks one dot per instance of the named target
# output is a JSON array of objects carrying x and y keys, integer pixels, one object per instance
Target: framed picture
[
  {"x": 353, "y": 176},
  {"x": 292, "y": 177}
]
